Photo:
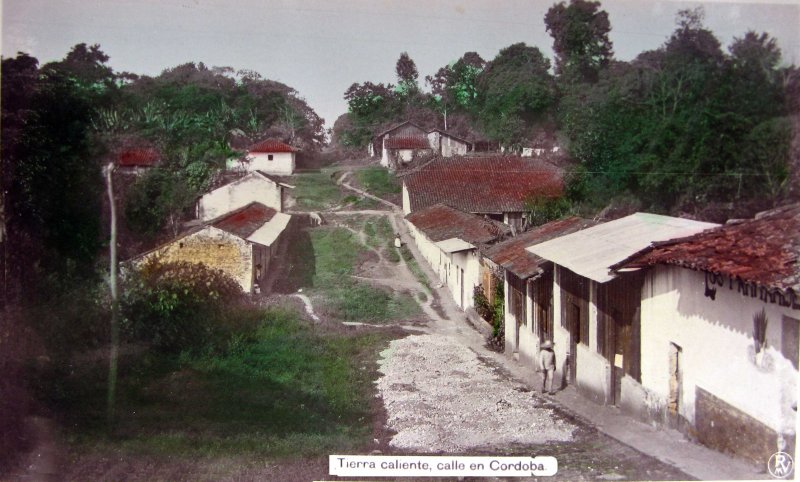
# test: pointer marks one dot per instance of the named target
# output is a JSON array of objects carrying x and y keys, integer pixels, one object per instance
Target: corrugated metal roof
[
  {"x": 511, "y": 253},
  {"x": 592, "y": 251},
  {"x": 764, "y": 250},
  {"x": 442, "y": 222},
  {"x": 244, "y": 221},
  {"x": 453, "y": 245},
  {"x": 492, "y": 184},
  {"x": 271, "y": 145},
  {"x": 269, "y": 232},
  {"x": 407, "y": 142}
]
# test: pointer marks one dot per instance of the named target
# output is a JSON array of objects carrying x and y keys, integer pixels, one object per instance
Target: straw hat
[{"x": 547, "y": 344}]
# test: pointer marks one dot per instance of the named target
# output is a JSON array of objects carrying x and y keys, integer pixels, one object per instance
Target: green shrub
[
  {"x": 482, "y": 305},
  {"x": 181, "y": 306}
]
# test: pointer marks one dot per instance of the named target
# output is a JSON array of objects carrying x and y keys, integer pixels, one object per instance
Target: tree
[
  {"x": 580, "y": 39},
  {"x": 51, "y": 177},
  {"x": 515, "y": 90},
  {"x": 407, "y": 75}
]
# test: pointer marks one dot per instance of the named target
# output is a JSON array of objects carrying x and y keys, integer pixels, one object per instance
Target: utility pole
[{"x": 112, "y": 282}]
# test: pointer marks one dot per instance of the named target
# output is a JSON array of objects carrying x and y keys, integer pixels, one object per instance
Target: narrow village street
[{"x": 446, "y": 392}]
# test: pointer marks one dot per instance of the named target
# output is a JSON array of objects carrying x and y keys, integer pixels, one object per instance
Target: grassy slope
[{"x": 336, "y": 251}]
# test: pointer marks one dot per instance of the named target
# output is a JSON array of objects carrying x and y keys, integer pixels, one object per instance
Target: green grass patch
[
  {"x": 416, "y": 270},
  {"x": 291, "y": 391},
  {"x": 378, "y": 181},
  {"x": 336, "y": 251},
  {"x": 316, "y": 191},
  {"x": 361, "y": 302},
  {"x": 391, "y": 253}
]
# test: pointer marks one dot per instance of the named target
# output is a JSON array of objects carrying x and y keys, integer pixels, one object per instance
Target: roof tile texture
[
  {"x": 271, "y": 145},
  {"x": 442, "y": 222},
  {"x": 407, "y": 142},
  {"x": 511, "y": 253},
  {"x": 245, "y": 221},
  {"x": 134, "y": 157},
  {"x": 764, "y": 250},
  {"x": 492, "y": 184}
]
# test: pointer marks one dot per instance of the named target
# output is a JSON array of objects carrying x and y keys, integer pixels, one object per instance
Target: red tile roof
[
  {"x": 244, "y": 221},
  {"x": 407, "y": 142},
  {"x": 442, "y": 222},
  {"x": 491, "y": 184},
  {"x": 764, "y": 250},
  {"x": 138, "y": 156},
  {"x": 511, "y": 253},
  {"x": 271, "y": 145}
]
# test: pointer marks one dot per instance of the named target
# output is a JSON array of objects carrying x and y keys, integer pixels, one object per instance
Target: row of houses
[
  {"x": 240, "y": 227},
  {"x": 677, "y": 322}
]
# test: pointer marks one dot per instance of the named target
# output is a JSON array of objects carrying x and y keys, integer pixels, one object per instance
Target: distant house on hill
[
  {"x": 720, "y": 334},
  {"x": 240, "y": 243},
  {"x": 256, "y": 186},
  {"x": 496, "y": 186},
  {"x": 449, "y": 240},
  {"x": 271, "y": 157},
  {"x": 399, "y": 150},
  {"x": 137, "y": 160},
  {"x": 447, "y": 144},
  {"x": 405, "y": 129}
]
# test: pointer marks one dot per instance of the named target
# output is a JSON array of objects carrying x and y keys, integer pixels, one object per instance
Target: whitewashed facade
[
  {"x": 701, "y": 364},
  {"x": 456, "y": 265},
  {"x": 253, "y": 187},
  {"x": 278, "y": 163}
]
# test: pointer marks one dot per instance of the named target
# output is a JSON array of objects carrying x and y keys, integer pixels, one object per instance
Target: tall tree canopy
[
  {"x": 514, "y": 90},
  {"x": 580, "y": 39}
]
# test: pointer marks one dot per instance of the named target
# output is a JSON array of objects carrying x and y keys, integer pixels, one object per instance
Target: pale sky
[{"x": 320, "y": 47}]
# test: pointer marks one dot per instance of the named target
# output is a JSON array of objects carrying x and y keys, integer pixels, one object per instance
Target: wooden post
[{"x": 114, "y": 353}]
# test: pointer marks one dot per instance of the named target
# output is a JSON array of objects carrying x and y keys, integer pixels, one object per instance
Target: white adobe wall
[
  {"x": 282, "y": 163},
  {"x": 560, "y": 334},
  {"x": 447, "y": 266},
  {"x": 717, "y": 347},
  {"x": 240, "y": 193},
  {"x": 452, "y": 147},
  {"x": 406, "y": 201},
  {"x": 593, "y": 376},
  {"x": 528, "y": 348}
]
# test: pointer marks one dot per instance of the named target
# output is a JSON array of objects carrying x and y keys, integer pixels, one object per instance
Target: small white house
[
  {"x": 449, "y": 239},
  {"x": 447, "y": 144},
  {"x": 256, "y": 186},
  {"x": 719, "y": 334},
  {"x": 241, "y": 244},
  {"x": 271, "y": 157}
]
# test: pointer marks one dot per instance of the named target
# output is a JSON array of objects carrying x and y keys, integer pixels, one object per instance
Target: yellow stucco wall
[{"x": 214, "y": 248}]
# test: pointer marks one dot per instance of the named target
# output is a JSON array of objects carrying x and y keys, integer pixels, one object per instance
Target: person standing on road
[{"x": 547, "y": 363}]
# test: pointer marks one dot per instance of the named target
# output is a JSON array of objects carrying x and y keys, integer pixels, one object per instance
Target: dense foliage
[
  {"x": 679, "y": 128},
  {"x": 180, "y": 306}
]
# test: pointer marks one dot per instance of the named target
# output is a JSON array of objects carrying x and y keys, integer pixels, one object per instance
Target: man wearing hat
[{"x": 547, "y": 362}]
